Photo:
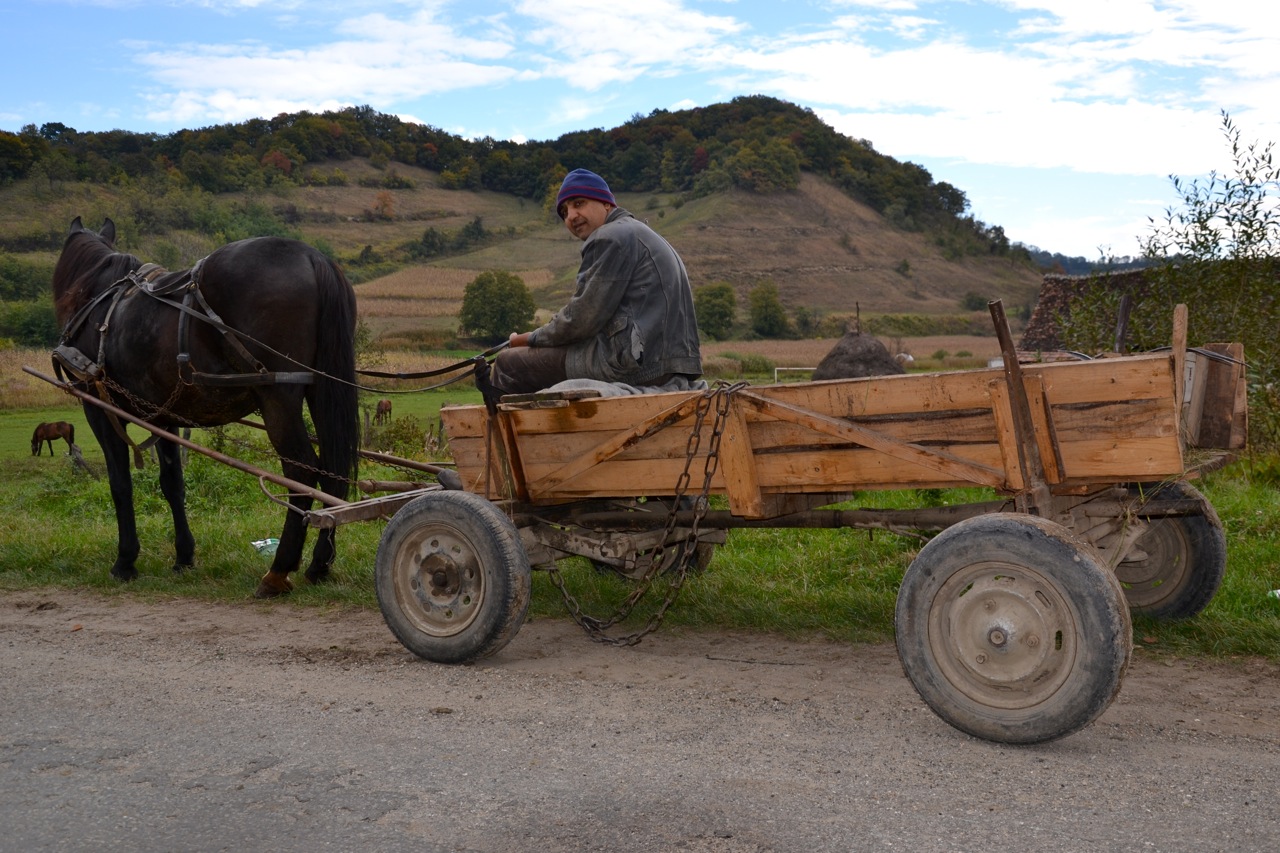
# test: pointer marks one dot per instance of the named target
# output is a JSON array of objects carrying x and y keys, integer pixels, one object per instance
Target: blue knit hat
[{"x": 583, "y": 184}]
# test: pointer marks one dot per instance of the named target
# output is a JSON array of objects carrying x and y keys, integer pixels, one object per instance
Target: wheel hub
[
  {"x": 443, "y": 575},
  {"x": 993, "y": 635}
]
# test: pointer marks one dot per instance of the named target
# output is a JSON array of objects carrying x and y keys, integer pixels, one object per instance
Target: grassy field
[{"x": 839, "y": 584}]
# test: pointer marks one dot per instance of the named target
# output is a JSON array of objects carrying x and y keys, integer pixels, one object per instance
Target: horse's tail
[
  {"x": 71, "y": 433},
  {"x": 335, "y": 403}
]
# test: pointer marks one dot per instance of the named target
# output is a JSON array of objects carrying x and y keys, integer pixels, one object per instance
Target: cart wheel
[
  {"x": 1175, "y": 569},
  {"x": 452, "y": 577},
  {"x": 1012, "y": 629}
]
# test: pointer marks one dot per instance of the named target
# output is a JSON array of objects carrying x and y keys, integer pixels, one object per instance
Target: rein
[{"x": 141, "y": 280}]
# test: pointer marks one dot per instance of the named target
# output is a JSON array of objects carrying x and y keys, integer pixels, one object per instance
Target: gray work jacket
[{"x": 631, "y": 317}]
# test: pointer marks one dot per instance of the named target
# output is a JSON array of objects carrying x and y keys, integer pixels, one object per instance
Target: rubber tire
[
  {"x": 1187, "y": 562},
  {"x": 471, "y": 598},
  {"x": 1067, "y": 636}
]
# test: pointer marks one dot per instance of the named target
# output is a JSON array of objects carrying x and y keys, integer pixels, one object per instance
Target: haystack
[{"x": 857, "y": 355}]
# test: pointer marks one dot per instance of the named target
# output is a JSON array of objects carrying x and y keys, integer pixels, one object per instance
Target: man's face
[{"x": 582, "y": 216}]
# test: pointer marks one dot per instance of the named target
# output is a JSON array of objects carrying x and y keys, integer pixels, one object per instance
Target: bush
[
  {"x": 495, "y": 304},
  {"x": 29, "y": 324},
  {"x": 754, "y": 364},
  {"x": 1218, "y": 255},
  {"x": 768, "y": 319},
  {"x": 715, "y": 306}
]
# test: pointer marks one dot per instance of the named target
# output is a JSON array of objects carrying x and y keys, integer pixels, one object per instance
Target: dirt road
[{"x": 188, "y": 726}]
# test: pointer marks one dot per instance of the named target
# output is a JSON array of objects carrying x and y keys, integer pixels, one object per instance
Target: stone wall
[{"x": 1059, "y": 292}]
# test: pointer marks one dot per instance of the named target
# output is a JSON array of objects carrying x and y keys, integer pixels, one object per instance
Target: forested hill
[{"x": 756, "y": 143}]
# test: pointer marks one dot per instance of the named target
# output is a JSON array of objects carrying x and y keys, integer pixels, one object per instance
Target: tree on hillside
[
  {"x": 768, "y": 318},
  {"x": 495, "y": 304},
  {"x": 715, "y": 306}
]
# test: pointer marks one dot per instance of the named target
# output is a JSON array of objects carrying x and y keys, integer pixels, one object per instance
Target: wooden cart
[{"x": 1012, "y": 622}]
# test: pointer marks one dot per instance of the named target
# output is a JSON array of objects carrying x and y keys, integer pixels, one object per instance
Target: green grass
[{"x": 59, "y": 531}]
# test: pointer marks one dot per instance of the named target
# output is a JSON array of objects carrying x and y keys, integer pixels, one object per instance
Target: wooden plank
[
  {"x": 1106, "y": 460},
  {"x": 548, "y": 483},
  {"x": 601, "y": 414},
  {"x": 507, "y": 479},
  {"x": 737, "y": 464},
  {"x": 1007, "y": 435},
  {"x": 952, "y": 466},
  {"x": 1042, "y": 426},
  {"x": 1223, "y": 412},
  {"x": 1194, "y": 384},
  {"x": 1179, "y": 354},
  {"x": 1139, "y": 377}
]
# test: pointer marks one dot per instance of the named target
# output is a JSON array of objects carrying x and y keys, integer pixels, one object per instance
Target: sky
[{"x": 1061, "y": 120}]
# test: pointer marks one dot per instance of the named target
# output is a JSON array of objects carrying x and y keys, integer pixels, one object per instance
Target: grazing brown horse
[
  {"x": 273, "y": 328},
  {"x": 383, "y": 413},
  {"x": 50, "y": 433}
]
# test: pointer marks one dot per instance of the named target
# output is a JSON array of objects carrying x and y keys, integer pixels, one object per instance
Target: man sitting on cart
[{"x": 631, "y": 318}]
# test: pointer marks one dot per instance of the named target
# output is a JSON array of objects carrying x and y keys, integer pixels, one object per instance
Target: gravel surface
[{"x": 188, "y": 726}]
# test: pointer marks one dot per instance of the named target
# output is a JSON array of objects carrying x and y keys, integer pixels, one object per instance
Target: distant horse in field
[
  {"x": 262, "y": 324},
  {"x": 383, "y": 413},
  {"x": 50, "y": 433}
]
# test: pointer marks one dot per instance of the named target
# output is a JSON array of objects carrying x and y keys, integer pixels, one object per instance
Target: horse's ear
[
  {"x": 76, "y": 225},
  {"x": 108, "y": 231}
]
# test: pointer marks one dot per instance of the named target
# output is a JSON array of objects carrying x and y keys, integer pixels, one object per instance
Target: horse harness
[{"x": 180, "y": 291}]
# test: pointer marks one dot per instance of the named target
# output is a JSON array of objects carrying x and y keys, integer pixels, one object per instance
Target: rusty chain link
[{"x": 596, "y": 628}]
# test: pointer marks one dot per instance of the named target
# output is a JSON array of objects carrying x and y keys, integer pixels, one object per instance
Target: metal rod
[
  {"x": 927, "y": 518},
  {"x": 271, "y": 477},
  {"x": 375, "y": 456}
]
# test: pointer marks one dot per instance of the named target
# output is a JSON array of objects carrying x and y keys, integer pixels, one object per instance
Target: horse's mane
[{"x": 86, "y": 266}]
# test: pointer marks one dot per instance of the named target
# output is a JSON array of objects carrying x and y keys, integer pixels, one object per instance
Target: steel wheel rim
[
  {"x": 1162, "y": 571},
  {"x": 1003, "y": 635},
  {"x": 438, "y": 581}
]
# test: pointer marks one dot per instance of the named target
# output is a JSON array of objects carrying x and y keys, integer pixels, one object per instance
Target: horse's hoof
[
  {"x": 179, "y": 568},
  {"x": 273, "y": 586},
  {"x": 318, "y": 574},
  {"x": 124, "y": 575}
]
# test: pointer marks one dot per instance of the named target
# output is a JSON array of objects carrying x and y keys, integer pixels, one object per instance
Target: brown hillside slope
[
  {"x": 823, "y": 250},
  {"x": 827, "y": 251}
]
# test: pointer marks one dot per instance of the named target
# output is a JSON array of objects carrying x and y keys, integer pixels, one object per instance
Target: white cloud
[{"x": 592, "y": 45}]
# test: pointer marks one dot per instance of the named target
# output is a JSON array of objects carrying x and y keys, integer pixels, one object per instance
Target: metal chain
[{"x": 595, "y": 628}]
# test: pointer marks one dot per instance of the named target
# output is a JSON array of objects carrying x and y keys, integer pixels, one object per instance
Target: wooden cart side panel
[
  {"x": 825, "y": 470},
  {"x": 1145, "y": 377},
  {"x": 951, "y": 466},
  {"x": 1223, "y": 412},
  {"x": 769, "y": 435},
  {"x": 1105, "y": 421}
]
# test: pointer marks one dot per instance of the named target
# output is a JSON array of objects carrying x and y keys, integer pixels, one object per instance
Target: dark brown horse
[
  {"x": 382, "y": 415},
  {"x": 280, "y": 310},
  {"x": 51, "y": 433}
]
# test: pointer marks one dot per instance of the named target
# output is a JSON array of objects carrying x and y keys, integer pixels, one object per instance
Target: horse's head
[{"x": 88, "y": 263}]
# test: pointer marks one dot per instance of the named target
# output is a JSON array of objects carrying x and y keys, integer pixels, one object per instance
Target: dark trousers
[{"x": 527, "y": 370}]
